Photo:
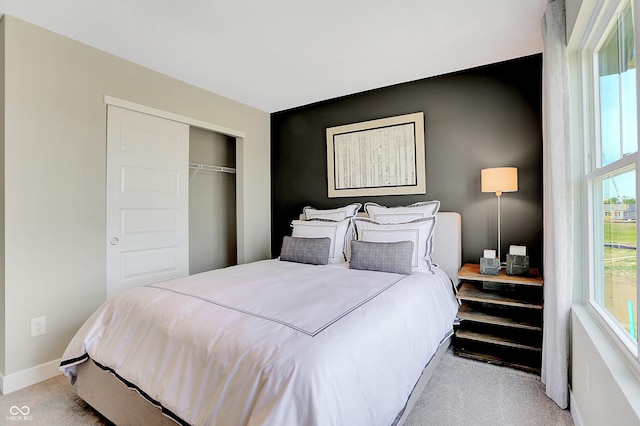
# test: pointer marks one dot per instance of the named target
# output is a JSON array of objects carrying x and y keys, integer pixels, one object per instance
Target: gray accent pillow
[
  {"x": 396, "y": 257},
  {"x": 314, "y": 251}
]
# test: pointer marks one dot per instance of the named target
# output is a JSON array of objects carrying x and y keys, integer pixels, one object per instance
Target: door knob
[{"x": 114, "y": 241}]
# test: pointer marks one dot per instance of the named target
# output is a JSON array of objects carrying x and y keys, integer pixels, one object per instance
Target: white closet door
[{"x": 147, "y": 199}]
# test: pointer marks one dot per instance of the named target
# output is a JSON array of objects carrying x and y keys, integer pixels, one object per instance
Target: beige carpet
[
  {"x": 49, "y": 403},
  {"x": 461, "y": 392},
  {"x": 464, "y": 392}
]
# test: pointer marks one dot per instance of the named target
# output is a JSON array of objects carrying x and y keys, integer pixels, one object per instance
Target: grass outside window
[{"x": 620, "y": 273}]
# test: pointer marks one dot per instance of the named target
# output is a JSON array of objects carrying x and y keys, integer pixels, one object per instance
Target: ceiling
[{"x": 279, "y": 54}]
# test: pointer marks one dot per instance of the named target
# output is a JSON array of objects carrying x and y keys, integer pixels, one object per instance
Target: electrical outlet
[{"x": 38, "y": 326}]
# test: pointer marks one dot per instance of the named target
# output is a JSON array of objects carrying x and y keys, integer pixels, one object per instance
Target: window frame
[{"x": 605, "y": 19}]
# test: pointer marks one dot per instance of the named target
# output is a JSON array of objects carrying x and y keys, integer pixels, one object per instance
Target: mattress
[{"x": 272, "y": 342}]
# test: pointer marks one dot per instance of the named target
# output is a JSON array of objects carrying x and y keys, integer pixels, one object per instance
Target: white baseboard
[
  {"x": 28, "y": 377},
  {"x": 575, "y": 412}
]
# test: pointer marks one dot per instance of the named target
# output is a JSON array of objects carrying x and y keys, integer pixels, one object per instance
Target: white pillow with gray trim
[
  {"x": 332, "y": 214},
  {"x": 319, "y": 228},
  {"x": 419, "y": 231},
  {"x": 402, "y": 214}
]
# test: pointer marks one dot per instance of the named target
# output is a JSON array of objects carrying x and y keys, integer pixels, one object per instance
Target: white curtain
[{"x": 558, "y": 205}]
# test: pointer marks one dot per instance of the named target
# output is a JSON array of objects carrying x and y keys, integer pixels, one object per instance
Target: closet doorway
[
  {"x": 171, "y": 198},
  {"x": 212, "y": 201}
]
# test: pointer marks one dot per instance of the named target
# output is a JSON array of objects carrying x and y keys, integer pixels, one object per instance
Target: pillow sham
[
  {"x": 336, "y": 231},
  {"x": 402, "y": 214},
  {"x": 419, "y": 231},
  {"x": 332, "y": 214},
  {"x": 384, "y": 257},
  {"x": 314, "y": 251}
]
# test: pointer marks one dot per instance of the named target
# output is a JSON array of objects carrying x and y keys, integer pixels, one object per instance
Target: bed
[{"x": 271, "y": 342}]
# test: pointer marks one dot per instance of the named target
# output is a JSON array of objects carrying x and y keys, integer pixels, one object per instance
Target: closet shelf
[{"x": 208, "y": 168}]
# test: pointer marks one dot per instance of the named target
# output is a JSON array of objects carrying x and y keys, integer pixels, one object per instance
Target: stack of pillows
[{"x": 390, "y": 239}]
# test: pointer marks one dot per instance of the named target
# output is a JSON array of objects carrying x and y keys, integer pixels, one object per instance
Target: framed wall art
[{"x": 377, "y": 157}]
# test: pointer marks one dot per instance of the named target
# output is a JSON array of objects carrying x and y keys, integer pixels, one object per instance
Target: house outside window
[{"x": 611, "y": 177}]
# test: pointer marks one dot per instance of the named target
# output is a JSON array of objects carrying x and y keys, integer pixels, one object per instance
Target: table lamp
[{"x": 499, "y": 180}]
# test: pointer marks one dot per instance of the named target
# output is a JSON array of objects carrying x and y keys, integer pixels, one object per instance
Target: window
[{"x": 611, "y": 177}]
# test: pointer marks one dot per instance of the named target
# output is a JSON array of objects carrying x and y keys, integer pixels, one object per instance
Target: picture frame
[{"x": 377, "y": 157}]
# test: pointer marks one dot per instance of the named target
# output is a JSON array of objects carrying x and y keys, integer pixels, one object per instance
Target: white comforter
[{"x": 273, "y": 342}]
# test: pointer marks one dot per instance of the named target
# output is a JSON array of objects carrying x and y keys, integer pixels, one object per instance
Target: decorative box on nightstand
[{"x": 500, "y": 318}]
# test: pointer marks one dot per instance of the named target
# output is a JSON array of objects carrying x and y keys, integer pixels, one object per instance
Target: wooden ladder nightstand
[{"x": 500, "y": 318}]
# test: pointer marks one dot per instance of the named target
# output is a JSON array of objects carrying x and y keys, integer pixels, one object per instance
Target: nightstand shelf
[
  {"x": 503, "y": 296},
  {"x": 495, "y": 339},
  {"x": 500, "y": 318},
  {"x": 467, "y": 312},
  {"x": 482, "y": 356}
]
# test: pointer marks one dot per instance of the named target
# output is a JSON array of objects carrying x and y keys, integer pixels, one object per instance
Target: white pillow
[
  {"x": 336, "y": 230},
  {"x": 332, "y": 214},
  {"x": 408, "y": 213},
  {"x": 419, "y": 231}
]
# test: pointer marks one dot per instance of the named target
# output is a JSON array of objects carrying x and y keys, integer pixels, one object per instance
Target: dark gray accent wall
[{"x": 484, "y": 117}]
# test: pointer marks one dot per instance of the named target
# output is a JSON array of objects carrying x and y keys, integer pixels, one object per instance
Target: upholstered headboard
[{"x": 447, "y": 243}]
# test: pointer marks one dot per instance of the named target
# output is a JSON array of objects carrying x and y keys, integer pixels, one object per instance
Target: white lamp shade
[{"x": 499, "y": 180}]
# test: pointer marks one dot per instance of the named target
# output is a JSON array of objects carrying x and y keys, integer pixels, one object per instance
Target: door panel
[
  {"x": 143, "y": 221},
  {"x": 149, "y": 263},
  {"x": 147, "y": 200},
  {"x": 134, "y": 180}
]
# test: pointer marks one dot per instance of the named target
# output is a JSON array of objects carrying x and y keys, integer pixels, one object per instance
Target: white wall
[
  {"x": 604, "y": 389},
  {"x": 54, "y": 183},
  {"x": 2, "y": 266},
  {"x": 572, "y": 8}
]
